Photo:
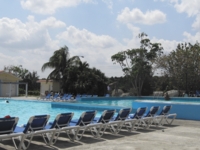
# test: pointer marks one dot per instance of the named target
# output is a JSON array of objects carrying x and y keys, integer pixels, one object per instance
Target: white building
[
  {"x": 51, "y": 85},
  {"x": 9, "y": 84}
]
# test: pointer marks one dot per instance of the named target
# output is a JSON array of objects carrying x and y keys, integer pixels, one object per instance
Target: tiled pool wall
[
  {"x": 157, "y": 98},
  {"x": 182, "y": 99},
  {"x": 83, "y": 106}
]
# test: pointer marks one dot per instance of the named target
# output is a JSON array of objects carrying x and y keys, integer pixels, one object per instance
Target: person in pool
[{"x": 7, "y": 101}]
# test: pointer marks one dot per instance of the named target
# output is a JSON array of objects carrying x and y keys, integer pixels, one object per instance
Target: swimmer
[{"x": 7, "y": 101}]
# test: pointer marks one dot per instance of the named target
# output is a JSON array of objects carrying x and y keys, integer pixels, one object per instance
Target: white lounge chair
[
  {"x": 165, "y": 116},
  {"x": 7, "y": 127},
  {"x": 85, "y": 122},
  {"x": 142, "y": 121},
  {"x": 35, "y": 126},
  {"x": 61, "y": 123}
]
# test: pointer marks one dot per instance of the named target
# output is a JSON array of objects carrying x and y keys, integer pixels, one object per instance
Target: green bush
[
  {"x": 35, "y": 93},
  {"x": 21, "y": 91}
]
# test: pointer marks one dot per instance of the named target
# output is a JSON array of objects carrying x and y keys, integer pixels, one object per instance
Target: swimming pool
[{"x": 24, "y": 109}]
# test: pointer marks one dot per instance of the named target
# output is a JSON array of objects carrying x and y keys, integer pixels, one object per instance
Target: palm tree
[
  {"x": 99, "y": 82},
  {"x": 60, "y": 62},
  {"x": 78, "y": 77},
  {"x": 33, "y": 77}
]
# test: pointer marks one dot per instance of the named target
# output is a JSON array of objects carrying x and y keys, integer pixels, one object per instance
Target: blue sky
[{"x": 31, "y": 30}]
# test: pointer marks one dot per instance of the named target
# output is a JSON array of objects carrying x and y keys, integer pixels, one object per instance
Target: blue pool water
[{"x": 25, "y": 109}]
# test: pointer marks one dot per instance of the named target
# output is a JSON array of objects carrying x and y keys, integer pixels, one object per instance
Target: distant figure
[
  {"x": 186, "y": 94},
  {"x": 166, "y": 96},
  {"x": 7, "y": 101}
]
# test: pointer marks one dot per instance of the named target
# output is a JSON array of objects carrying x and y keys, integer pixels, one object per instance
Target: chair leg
[
  {"x": 27, "y": 138},
  {"x": 170, "y": 115},
  {"x": 130, "y": 124},
  {"x": 158, "y": 120},
  {"x": 71, "y": 130}
]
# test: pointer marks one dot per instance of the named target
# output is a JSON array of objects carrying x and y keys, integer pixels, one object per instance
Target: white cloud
[
  {"x": 52, "y": 22},
  {"x": 96, "y": 49},
  {"x": 134, "y": 42},
  {"x": 191, "y": 7},
  {"x": 109, "y": 3},
  {"x": 137, "y": 16},
  {"x": 84, "y": 38},
  {"x": 50, "y": 6},
  {"x": 167, "y": 45},
  {"x": 18, "y": 35},
  {"x": 192, "y": 38},
  {"x": 28, "y": 44},
  {"x": 196, "y": 24}
]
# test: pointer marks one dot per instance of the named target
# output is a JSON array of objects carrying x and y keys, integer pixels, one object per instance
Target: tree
[
  {"x": 75, "y": 75},
  {"x": 32, "y": 79},
  {"x": 60, "y": 62},
  {"x": 18, "y": 71},
  {"x": 25, "y": 75},
  {"x": 182, "y": 66},
  {"x": 85, "y": 80},
  {"x": 137, "y": 63}
]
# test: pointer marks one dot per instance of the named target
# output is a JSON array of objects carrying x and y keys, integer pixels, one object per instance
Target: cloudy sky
[{"x": 31, "y": 30}]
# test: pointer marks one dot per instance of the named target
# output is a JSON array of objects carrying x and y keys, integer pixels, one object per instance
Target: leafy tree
[
  {"x": 85, "y": 80},
  {"x": 182, "y": 66},
  {"x": 61, "y": 63},
  {"x": 25, "y": 75},
  {"x": 75, "y": 75},
  {"x": 32, "y": 79},
  {"x": 137, "y": 63},
  {"x": 18, "y": 71}
]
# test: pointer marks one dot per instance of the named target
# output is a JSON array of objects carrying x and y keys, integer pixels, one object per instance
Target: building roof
[
  {"x": 44, "y": 80},
  {"x": 9, "y": 74}
]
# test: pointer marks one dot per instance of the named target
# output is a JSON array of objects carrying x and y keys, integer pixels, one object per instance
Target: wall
[
  {"x": 8, "y": 89},
  {"x": 56, "y": 86},
  {"x": 45, "y": 86}
]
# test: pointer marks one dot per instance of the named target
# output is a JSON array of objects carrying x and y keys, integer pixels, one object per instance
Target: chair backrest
[
  {"x": 106, "y": 116},
  {"x": 123, "y": 114},
  {"x": 48, "y": 95},
  {"x": 7, "y": 125},
  {"x": 36, "y": 123},
  {"x": 107, "y": 95},
  {"x": 68, "y": 96},
  {"x": 86, "y": 118},
  {"x": 152, "y": 111},
  {"x": 56, "y": 95},
  {"x": 62, "y": 120},
  {"x": 165, "y": 110},
  {"x": 139, "y": 113}
]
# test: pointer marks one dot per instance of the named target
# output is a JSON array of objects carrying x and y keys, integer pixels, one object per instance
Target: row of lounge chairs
[
  {"x": 65, "y": 97},
  {"x": 75, "y": 128}
]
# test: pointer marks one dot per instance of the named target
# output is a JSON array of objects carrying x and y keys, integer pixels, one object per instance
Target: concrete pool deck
[{"x": 182, "y": 135}]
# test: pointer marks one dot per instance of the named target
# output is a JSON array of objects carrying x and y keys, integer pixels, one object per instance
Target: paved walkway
[{"x": 182, "y": 135}]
